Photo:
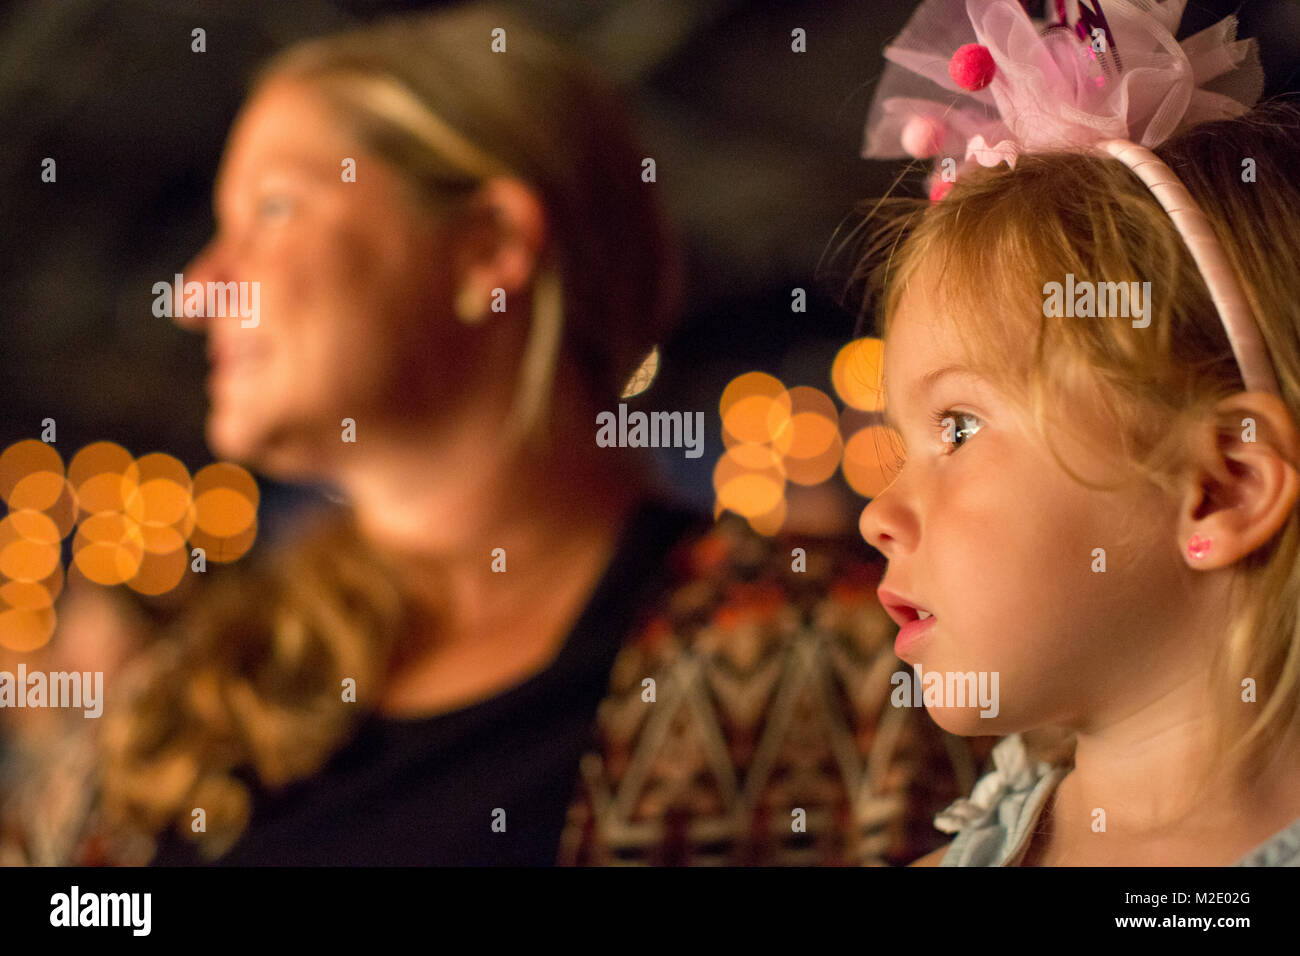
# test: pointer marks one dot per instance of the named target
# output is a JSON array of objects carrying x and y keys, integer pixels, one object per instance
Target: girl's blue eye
[{"x": 955, "y": 428}]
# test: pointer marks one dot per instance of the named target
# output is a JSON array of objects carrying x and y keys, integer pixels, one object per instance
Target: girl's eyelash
[
  {"x": 944, "y": 418},
  {"x": 894, "y": 455}
]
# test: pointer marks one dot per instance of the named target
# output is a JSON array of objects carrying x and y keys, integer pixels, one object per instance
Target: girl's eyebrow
[
  {"x": 930, "y": 379},
  {"x": 926, "y": 384}
]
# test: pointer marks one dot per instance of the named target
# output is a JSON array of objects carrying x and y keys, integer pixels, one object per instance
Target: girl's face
[
  {"x": 989, "y": 533},
  {"x": 354, "y": 296}
]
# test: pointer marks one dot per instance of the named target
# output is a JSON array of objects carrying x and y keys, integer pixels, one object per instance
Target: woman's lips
[{"x": 232, "y": 362}]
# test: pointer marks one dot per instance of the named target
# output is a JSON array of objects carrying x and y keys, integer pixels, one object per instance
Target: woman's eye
[
  {"x": 272, "y": 207},
  {"x": 956, "y": 428}
]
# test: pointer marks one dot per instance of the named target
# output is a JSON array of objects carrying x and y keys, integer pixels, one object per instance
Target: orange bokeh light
[
  {"x": 29, "y": 546},
  {"x": 32, "y": 595},
  {"x": 224, "y": 550},
  {"x": 857, "y": 374},
  {"x": 159, "y": 573},
  {"x": 158, "y": 502},
  {"x": 29, "y": 458},
  {"x": 810, "y": 442},
  {"x": 754, "y": 407},
  {"x": 749, "y": 479},
  {"x": 38, "y": 491},
  {"x": 770, "y": 522},
  {"x": 98, "y": 474},
  {"x": 25, "y": 630},
  {"x": 871, "y": 460},
  {"x": 136, "y": 517},
  {"x": 108, "y": 548}
]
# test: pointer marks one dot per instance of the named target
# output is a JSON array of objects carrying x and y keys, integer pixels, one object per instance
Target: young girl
[{"x": 1101, "y": 508}]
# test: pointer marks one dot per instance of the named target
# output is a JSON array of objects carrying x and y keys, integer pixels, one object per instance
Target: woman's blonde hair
[
  {"x": 247, "y": 688},
  {"x": 246, "y": 692},
  {"x": 1000, "y": 235}
]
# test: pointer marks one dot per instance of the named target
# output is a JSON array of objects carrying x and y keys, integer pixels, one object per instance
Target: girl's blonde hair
[
  {"x": 1000, "y": 235},
  {"x": 247, "y": 691}
]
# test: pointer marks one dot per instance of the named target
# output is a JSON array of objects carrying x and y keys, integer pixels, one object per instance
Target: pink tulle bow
[{"x": 1097, "y": 70}]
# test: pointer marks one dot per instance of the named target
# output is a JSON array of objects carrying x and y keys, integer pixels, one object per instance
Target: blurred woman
[{"x": 459, "y": 267}]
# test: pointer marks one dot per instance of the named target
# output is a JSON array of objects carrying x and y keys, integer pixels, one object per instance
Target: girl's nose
[{"x": 887, "y": 525}]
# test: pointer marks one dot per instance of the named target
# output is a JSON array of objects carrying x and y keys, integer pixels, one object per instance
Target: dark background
[{"x": 757, "y": 150}]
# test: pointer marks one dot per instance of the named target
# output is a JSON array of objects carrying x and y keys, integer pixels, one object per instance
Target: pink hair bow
[
  {"x": 983, "y": 80},
  {"x": 1073, "y": 81}
]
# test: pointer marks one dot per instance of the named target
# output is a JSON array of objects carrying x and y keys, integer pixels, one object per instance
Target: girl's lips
[
  {"x": 913, "y": 620},
  {"x": 910, "y": 634}
]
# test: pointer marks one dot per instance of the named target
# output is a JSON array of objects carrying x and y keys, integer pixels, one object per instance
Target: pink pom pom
[
  {"x": 940, "y": 189},
  {"x": 923, "y": 136},
  {"x": 972, "y": 67}
]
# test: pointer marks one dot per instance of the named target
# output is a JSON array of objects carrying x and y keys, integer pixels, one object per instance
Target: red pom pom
[
  {"x": 940, "y": 189},
  {"x": 972, "y": 67}
]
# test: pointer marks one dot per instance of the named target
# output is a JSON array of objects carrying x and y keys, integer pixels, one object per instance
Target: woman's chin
[
  {"x": 281, "y": 453},
  {"x": 231, "y": 439}
]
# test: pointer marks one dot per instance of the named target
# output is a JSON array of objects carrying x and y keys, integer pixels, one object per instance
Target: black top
[{"x": 425, "y": 791}]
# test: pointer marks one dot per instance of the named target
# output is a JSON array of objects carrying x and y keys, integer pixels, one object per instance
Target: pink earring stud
[{"x": 1198, "y": 547}]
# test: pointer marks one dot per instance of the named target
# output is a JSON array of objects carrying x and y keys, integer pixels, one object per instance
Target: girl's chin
[{"x": 966, "y": 722}]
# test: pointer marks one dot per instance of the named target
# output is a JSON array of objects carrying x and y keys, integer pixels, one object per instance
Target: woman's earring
[
  {"x": 1198, "y": 547},
  {"x": 471, "y": 308}
]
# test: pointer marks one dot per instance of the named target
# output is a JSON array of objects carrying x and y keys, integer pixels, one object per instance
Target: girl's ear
[
  {"x": 501, "y": 240},
  {"x": 1243, "y": 480}
]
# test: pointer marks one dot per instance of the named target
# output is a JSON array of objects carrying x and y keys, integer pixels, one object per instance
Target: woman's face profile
[{"x": 354, "y": 288}]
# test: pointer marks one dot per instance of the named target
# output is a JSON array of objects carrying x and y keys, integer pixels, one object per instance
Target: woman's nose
[{"x": 202, "y": 269}]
